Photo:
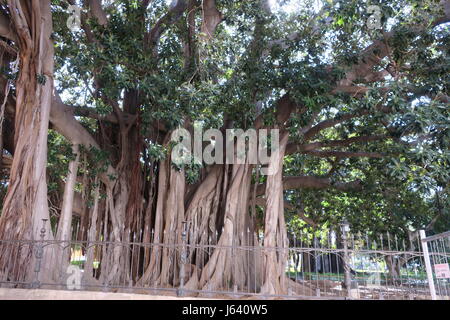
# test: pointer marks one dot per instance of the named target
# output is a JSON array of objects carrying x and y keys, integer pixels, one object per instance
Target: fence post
[
  {"x": 317, "y": 292},
  {"x": 36, "y": 284},
  {"x": 183, "y": 259},
  {"x": 426, "y": 256},
  {"x": 347, "y": 276}
]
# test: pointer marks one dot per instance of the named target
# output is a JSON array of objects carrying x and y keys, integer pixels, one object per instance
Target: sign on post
[{"x": 442, "y": 271}]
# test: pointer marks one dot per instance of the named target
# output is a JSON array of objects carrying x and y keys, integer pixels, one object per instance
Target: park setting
[{"x": 224, "y": 150}]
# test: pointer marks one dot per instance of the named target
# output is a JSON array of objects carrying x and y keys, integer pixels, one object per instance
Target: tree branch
[
  {"x": 175, "y": 12},
  {"x": 98, "y": 12},
  {"x": 211, "y": 18},
  {"x": 63, "y": 121},
  {"x": 293, "y": 148},
  {"x": 88, "y": 112},
  {"x": 287, "y": 205},
  {"x": 6, "y": 29},
  {"x": 345, "y": 154},
  {"x": 311, "y": 133},
  {"x": 309, "y": 182}
]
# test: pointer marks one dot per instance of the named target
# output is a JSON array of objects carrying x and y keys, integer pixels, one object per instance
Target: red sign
[{"x": 442, "y": 271}]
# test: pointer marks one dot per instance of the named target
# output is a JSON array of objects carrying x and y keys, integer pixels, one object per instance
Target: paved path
[{"x": 27, "y": 294}]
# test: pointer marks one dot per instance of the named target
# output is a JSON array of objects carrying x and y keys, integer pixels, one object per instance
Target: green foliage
[
  {"x": 228, "y": 75},
  {"x": 59, "y": 156}
]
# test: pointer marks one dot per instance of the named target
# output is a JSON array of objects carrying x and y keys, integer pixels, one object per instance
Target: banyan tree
[{"x": 91, "y": 98}]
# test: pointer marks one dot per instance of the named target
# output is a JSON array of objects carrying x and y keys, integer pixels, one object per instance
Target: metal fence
[
  {"x": 437, "y": 259},
  {"x": 329, "y": 266}
]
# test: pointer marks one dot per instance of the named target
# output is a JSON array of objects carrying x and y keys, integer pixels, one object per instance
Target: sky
[
  {"x": 289, "y": 7},
  {"x": 292, "y": 5}
]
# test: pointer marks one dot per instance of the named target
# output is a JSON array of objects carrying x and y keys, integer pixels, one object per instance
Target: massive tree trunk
[
  {"x": 219, "y": 224},
  {"x": 275, "y": 238},
  {"x": 26, "y": 201},
  {"x": 393, "y": 265},
  {"x": 201, "y": 216},
  {"x": 64, "y": 231},
  {"x": 91, "y": 250},
  {"x": 163, "y": 266},
  {"x": 218, "y": 271},
  {"x": 116, "y": 257}
]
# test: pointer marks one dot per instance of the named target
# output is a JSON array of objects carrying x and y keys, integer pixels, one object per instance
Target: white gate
[{"x": 436, "y": 250}]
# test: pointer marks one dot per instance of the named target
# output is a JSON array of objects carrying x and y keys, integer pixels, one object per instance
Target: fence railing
[
  {"x": 437, "y": 259},
  {"x": 327, "y": 267}
]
